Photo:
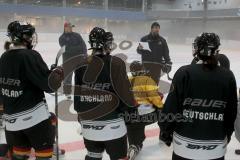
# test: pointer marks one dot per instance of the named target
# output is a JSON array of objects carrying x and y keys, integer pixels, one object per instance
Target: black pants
[
  {"x": 3, "y": 150},
  {"x": 136, "y": 134},
  {"x": 40, "y": 137},
  {"x": 176, "y": 157},
  {"x": 116, "y": 149},
  {"x": 154, "y": 70},
  {"x": 136, "y": 129}
]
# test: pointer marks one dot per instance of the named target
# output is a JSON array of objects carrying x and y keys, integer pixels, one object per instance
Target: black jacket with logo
[{"x": 159, "y": 49}]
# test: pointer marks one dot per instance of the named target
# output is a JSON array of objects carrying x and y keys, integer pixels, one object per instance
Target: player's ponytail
[
  {"x": 210, "y": 63},
  {"x": 7, "y": 45}
]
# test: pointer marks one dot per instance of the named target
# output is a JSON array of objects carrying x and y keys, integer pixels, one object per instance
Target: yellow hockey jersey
[{"x": 146, "y": 91}]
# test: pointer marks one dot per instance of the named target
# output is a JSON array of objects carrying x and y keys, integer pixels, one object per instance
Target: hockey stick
[
  {"x": 59, "y": 54},
  {"x": 169, "y": 78}
]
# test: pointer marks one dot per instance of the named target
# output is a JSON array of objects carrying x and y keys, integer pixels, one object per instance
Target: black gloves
[
  {"x": 53, "y": 66},
  {"x": 166, "y": 138},
  {"x": 56, "y": 77},
  {"x": 167, "y": 67}
]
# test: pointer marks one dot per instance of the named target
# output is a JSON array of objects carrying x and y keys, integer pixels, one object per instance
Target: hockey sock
[
  {"x": 42, "y": 158},
  {"x": 18, "y": 157}
]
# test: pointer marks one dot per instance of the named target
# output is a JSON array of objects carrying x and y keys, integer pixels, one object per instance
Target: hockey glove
[
  {"x": 58, "y": 71},
  {"x": 166, "y": 138},
  {"x": 56, "y": 78},
  {"x": 140, "y": 47},
  {"x": 53, "y": 66},
  {"x": 167, "y": 67}
]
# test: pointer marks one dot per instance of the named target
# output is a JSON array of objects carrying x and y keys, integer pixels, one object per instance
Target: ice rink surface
[{"x": 72, "y": 142}]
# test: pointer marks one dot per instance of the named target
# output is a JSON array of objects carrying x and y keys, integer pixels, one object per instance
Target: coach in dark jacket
[
  {"x": 153, "y": 60},
  {"x": 75, "y": 45}
]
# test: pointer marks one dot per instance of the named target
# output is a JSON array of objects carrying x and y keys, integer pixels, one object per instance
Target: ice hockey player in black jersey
[
  {"x": 24, "y": 77},
  {"x": 201, "y": 106},
  {"x": 102, "y": 98}
]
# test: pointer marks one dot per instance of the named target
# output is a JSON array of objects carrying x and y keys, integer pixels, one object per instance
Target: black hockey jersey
[
  {"x": 204, "y": 103},
  {"x": 102, "y": 93},
  {"x": 103, "y": 81},
  {"x": 23, "y": 80}
]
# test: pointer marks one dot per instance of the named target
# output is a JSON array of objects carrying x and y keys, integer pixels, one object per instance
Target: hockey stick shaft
[
  {"x": 57, "y": 135},
  {"x": 59, "y": 54},
  {"x": 169, "y": 78}
]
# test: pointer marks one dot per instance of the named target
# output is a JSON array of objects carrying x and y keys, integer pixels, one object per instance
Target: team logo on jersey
[
  {"x": 196, "y": 102},
  {"x": 115, "y": 127},
  {"x": 177, "y": 142},
  {"x": 28, "y": 118},
  {"x": 11, "y": 120},
  {"x": 203, "y": 147},
  {"x": 85, "y": 126}
]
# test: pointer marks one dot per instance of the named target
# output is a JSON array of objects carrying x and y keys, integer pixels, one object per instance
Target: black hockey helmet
[
  {"x": 108, "y": 37},
  {"x": 20, "y": 32},
  {"x": 136, "y": 68},
  {"x": 96, "y": 38},
  {"x": 108, "y": 41},
  {"x": 99, "y": 39},
  {"x": 206, "y": 45}
]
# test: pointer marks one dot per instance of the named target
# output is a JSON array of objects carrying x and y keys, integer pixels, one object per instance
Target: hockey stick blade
[
  {"x": 60, "y": 53},
  {"x": 169, "y": 78}
]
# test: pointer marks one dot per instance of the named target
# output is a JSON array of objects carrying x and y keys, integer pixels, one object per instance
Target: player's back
[
  {"x": 103, "y": 86},
  {"x": 20, "y": 71},
  {"x": 205, "y": 95}
]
